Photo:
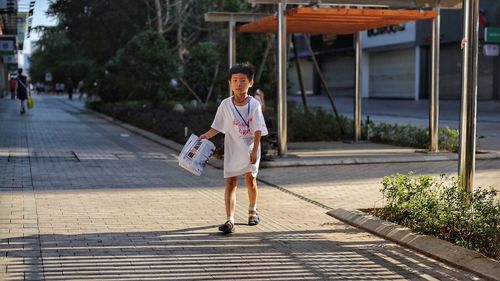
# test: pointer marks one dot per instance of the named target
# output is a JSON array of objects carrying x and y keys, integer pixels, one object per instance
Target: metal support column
[
  {"x": 469, "y": 95},
  {"x": 434, "y": 99},
  {"x": 232, "y": 45},
  {"x": 282, "y": 53},
  {"x": 357, "y": 92}
]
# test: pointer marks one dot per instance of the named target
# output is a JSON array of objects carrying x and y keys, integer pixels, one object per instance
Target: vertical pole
[
  {"x": 232, "y": 45},
  {"x": 357, "y": 91},
  {"x": 496, "y": 78},
  {"x": 299, "y": 75},
  {"x": 282, "y": 52},
  {"x": 323, "y": 83},
  {"x": 434, "y": 99},
  {"x": 469, "y": 95},
  {"x": 418, "y": 52}
]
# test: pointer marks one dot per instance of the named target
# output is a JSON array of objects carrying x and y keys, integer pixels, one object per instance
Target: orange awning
[{"x": 336, "y": 20}]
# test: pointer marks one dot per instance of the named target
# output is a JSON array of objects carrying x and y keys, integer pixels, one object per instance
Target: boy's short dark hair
[{"x": 243, "y": 68}]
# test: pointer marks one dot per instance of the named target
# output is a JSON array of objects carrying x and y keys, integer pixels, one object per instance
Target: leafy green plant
[
  {"x": 448, "y": 139},
  {"x": 443, "y": 209},
  {"x": 162, "y": 121},
  {"x": 406, "y": 135},
  {"x": 412, "y": 136},
  {"x": 143, "y": 69},
  {"x": 316, "y": 125},
  {"x": 319, "y": 125},
  {"x": 204, "y": 76}
]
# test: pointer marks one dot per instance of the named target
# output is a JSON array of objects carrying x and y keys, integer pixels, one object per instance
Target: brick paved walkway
[{"x": 81, "y": 199}]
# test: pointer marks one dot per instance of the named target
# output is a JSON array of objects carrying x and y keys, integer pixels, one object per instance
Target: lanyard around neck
[{"x": 241, "y": 116}]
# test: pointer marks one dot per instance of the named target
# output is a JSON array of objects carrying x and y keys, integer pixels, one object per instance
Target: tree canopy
[{"x": 113, "y": 45}]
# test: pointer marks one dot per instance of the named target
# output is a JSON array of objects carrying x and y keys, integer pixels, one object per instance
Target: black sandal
[
  {"x": 227, "y": 227},
  {"x": 253, "y": 219}
]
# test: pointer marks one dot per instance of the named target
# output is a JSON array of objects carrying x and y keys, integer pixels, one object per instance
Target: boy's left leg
[
  {"x": 230, "y": 197},
  {"x": 230, "y": 202},
  {"x": 253, "y": 192}
]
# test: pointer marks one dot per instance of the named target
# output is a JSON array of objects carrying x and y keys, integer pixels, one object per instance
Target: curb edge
[{"x": 447, "y": 252}]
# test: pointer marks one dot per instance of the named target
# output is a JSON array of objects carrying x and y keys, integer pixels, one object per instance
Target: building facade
[{"x": 396, "y": 60}]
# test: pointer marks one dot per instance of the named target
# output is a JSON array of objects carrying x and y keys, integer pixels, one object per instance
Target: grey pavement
[{"x": 84, "y": 199}]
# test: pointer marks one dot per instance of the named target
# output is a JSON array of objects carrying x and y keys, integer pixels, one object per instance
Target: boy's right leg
[
  {"x": 230, "y": 202},
  {"x": 251, "y": 182}
]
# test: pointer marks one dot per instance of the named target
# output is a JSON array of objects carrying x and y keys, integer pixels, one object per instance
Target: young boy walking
[{"x": 240, "y": 118}]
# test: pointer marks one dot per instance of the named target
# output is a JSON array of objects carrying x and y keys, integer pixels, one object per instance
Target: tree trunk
[
  {"x": 190, "y": 90},
  {"x": 212, "y": 83},
  {"x": 264, "y": 58},
  {"x": 158, "y": 16},
  {"x": 180, "y": 25}
]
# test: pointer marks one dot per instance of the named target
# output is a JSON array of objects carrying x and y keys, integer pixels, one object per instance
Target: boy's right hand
[{"x": 209, "y": 134}]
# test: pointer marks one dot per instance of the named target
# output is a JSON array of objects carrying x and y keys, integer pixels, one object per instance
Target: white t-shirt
[{"x": 232, "y": 120}]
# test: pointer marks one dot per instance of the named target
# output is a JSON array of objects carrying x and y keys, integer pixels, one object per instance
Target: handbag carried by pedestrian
[{"x": 31, "y": 101}]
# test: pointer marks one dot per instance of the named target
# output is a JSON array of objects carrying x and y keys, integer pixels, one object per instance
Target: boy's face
[{"x": 239, "y": 84}]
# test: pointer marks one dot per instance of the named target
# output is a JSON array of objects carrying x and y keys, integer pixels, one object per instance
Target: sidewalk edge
[
  {"x": 355, "y": 160},
  {"x": 216, "y": 163},
  {"x": 219, "y": 164},
  {"x": 436, "y": 248}
]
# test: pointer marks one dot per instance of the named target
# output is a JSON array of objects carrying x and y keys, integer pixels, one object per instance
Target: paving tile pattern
[{"x": 86, "y": 200}]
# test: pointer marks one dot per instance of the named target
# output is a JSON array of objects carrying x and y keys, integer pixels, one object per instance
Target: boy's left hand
[{"x": 253, "y": 156}]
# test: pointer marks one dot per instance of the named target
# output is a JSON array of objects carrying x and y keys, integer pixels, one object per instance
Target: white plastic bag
[{"x": 195, "y": 154}]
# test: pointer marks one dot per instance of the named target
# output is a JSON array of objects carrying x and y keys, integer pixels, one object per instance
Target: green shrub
[
  {"x": 406, "y": 135},
  {"x": 161, "y": 121},
  {"x": 448, "y": 139},
  {"x": 443, "y": 209},
  {"x": 319, "y": 125},
  {"x": 143, "y": 69},
  {"x": 412, "y": 136},
  {"x": 202, "y": 71},
  {"x": 316, "y": 125}
]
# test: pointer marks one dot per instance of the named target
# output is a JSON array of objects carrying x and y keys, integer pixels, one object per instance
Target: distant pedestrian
[
  {"x": 12, "y": 87},
  {"x": 257, "y": 92},
  {"x": 39, "y": 87},
  {"x": 240, "y": 118},
  {"x": 69, "y": 88},
  {"x": 22, "y": 89},
  {"x": 79, "y": 88}
]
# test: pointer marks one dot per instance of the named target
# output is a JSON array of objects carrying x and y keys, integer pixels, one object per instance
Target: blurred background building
[
  {"x": 15, "y": 24},
  {"x": 396, "y": 60}
]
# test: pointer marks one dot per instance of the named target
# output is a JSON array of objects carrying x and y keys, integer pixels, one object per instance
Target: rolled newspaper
[{"x": 195, "y": 154}]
